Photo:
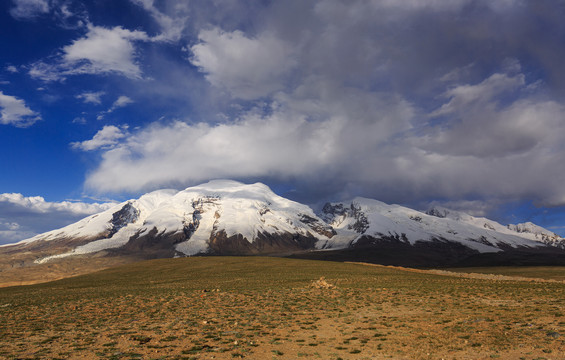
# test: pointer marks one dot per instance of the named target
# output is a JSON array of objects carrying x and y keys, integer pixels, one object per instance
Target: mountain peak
[{"x": 231, "y": 188}]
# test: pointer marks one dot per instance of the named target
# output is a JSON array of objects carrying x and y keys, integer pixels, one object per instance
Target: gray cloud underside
[{"x": 399, "y": 100}]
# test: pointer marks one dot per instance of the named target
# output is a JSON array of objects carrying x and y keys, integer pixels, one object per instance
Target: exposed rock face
[
  {"x": 335, "y": 214},
  {"x": 317, "y": 226},
  {"x": 264, "y": 244},
  {"x": 361, "y": 223},
  {"x": 436, "y": 212},
  {"x": 126, "y": 215}
]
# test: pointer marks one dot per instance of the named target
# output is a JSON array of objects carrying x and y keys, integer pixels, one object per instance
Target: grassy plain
[{"x": 272, "y": 308}]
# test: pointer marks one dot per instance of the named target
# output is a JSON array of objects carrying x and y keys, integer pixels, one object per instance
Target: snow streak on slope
[{"x": 379, "y": 220}]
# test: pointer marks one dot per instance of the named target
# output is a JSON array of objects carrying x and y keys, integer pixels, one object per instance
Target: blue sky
[{"x": 459, "y": 103}]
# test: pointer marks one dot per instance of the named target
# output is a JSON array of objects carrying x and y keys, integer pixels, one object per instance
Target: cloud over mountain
[
  {"x": 347, "y": 94},
  {"x": 404, "y": 101},
  {"x": 24, "y": 216}
]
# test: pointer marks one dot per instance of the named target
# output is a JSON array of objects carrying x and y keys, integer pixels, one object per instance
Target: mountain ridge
[{"x": 225, "y": 217}]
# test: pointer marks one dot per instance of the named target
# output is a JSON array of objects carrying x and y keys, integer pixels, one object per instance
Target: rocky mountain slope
[{"x": 230, "y": 218}]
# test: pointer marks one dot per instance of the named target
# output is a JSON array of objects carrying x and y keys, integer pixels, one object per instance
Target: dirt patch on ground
[{"x": 57, "y": 269}]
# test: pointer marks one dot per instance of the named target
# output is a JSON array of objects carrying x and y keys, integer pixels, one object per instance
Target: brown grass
[{"x": 269, "y": 308}]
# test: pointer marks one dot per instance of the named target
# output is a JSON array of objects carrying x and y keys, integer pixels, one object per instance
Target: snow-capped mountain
[
  {"x": 225, "y": 217},
  {"x": 219, "y": 217},
  {"x": 534, "y": 232},
  {"x": 374, "y": 219}
]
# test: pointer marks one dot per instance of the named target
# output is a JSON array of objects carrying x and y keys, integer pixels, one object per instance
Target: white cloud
[
  {"x": 39, "y": 205},
  {"x": 106, "y": 138},
  {"x": 284, "y": 142},
  {"x": 27, "y": 9},
  {"x": 171, "y": 26},
  {"x": 122, "y": 101},
  {"x": 91, "y": 97},
  {"x": 101, "y": 51},
  {"x": 105, "y": 50},
  {"x": 12, "y": 69},
  {"x": 247, "y": 67},
  {"x": 13, "y": 111},
  {"x": 22, "y": 217}
]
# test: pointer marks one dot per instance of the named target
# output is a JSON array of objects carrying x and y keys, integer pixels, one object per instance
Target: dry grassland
[{"x": 271, "y": 308}]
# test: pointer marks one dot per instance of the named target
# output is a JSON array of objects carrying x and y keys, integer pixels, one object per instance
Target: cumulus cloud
[
  {"x": 28, "y": 9},
  {"x": 14, "y": 111},
  {"x": 285, "y": 142},
  {"x": 247, "y": 67},
  {"x": 105, "y": 50},
  {"x": 365, "y": 142},
  {"x": 101, "y": 51},
  {"x": 405, "y": 101},
  {"x": 22, "y": 217},
  {"x": 12, "y": 69},
  {"x": 106, "y": 138},
  {"x": 91, "y": 97}
]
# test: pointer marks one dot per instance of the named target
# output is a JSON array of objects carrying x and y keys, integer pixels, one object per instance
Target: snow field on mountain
[{"x": 480, "y": 234}]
